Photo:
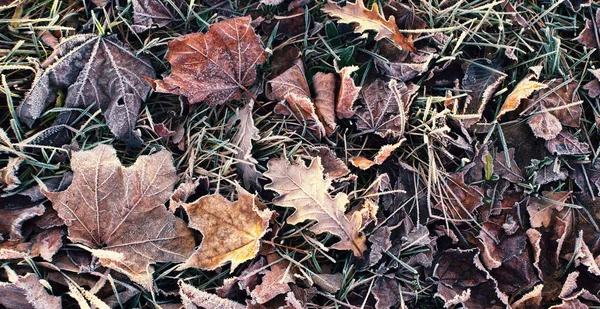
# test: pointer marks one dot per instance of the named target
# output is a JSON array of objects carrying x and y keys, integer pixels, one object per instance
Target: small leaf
[
  {"x": 523, "y": 90},
  {"x": 246, "y": 133},
  {"x": 365, "y": 19},
  {"x": 215, "y": 66},
  {"x": 147, "y": 13},
  {"x": 382, "y": 155},
  {"x": 482, "y": 78},
  {"x": 544, "y": 125},
  {"x": 8, "y": 178},
  {"x": 347, "y": 94},
  {"x": 305, "y": 189},
  {"x": 324, "y": 85},
  {"x": 231, "y": 230},
  {"x": 567, "y": 144}
]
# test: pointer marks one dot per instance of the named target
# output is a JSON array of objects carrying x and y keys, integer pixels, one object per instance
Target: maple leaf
[
  {"x": 215, "y": 66},
  {"x": 231, "y": 230},
  {"x": 106, "y": 205},
  {"x": 147, "y": 13},
  {"x": 365, "y": 19},
  {"x": 26, "y": 292},
  {"x": 305, "y": 189},
  {"x": 98, "y": 73},
  {"x": 385, "y": 107}
]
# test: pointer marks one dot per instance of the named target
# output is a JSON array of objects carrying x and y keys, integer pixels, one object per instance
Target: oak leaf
[
  {"x": 26, "y": 292},
  {"x": 118, "y": 211},
  {"x": 216, "y": 66},
  {"x": 231, "y": 230},
  {"x": 305, "y": 189},
  {"x": 98, "y": 73},
  {"x": 385, "y": 106},
  {"x": 523, "y": 90},
  {"x": 373, "y": 19}
]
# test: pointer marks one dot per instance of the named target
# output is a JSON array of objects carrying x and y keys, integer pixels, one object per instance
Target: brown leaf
[
  {"x": 386, "y": 292},
  {"x": 231, "y": 230},
  {"x": 380, "y": 242},
  {"x": 324, "y": 84},
  {"x": 560, "y": 101},
  {"x": 333, "y": 167},
  {"x": 482, "y": 78},
  {"x": 587, "y": 37},
  {"x": 8, "y": 178},
  {"x": 99, "y": 73},
  {"x": 567, "y": 144},
  {"x": 532, "y": 299},
  {"x": 523, "y": 90},
  {"x": 347, "y": 94},
  {"x": 576, "y": 5},
  {"x": 463, "y": 198},
  {"x": 382, "y": 155},
  {"x": 13, "y": 219},
  {"x": 107, "y": 203},
  {"x": 593, "y": 87},
  {"x": 243, "y": 137},
  {"x": 147, "y": 13},
  {"x": 403, "y": 65},
  {"x": 214, "y": 66},
  {"x": 193, "y": 298},
  {"x": 571, "y": 304},
  {"x": 511, "y": 173},
  {"x": 330, "y": 283},
  {"x": 544, "y": 125},
  {"x": 357, "y": 13},
  {"x": 305, "y": 189},
  {"x": 274, "y": 282},
  {"x": 384, "y": 107},
  {"x": 23, "y": 292}
]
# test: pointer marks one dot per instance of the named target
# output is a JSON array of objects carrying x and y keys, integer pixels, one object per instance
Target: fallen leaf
[
  {"x": 511, "y": 173},
  {"x": 523, "y": 90},
  {"x": 384, "y": 108},
  {"x": 106, "y": 203},
  {"x": 403, "y": 65},
  {"x": 567, "y": 144},
  {"x": 380, "y": 243},
  {"x": 544, "y": 125},
  {"x": 576, "y": 5},
  {"x": 373, "y": 19},
  {"x": 324, "y": 85},
  {"x": 274, "y": 282},
  {"x": 8, "y": 178},
  {"x": 382, "y": 155},
  {"x": 243, "y": 137},
  {"x": 13, "y": 219},
  {"x": 463, "y": 199},
  {"x": 333, "y": 167},
  {"x": 147, "y": 13},
  {"x": 570, "y": 304},
  {"x": 533, "y": 299},
  {"x": 214, "y": 66},
  {"x": 560, "y": 101},
  {"x": 482, "y": 78},
  {"x": 330, "y": 283},
  {"x": 386, "y": 292},
  {"x": 231, "y": 230},
  {"x": 27, "y": 291},
  {"x": 348, "y": 92},
  {"x": 587, "y": 37},
  {"x": 193, "y": 298},
  {"x": 44, "y": 244},
  {"x": 98, "y": 73},
  {"x": 593, "y": 87},
  {"x": 305, "y": 189}
]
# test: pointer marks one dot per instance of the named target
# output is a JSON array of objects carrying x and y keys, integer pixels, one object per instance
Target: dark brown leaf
[
  {"x": 147, "y": 13},
  {"x": 25, "y": 292},
  {"x": 587, "y": 37},
  {"x": 567, "y": 144},
  {"x": 482, "y": 78},
  {"x": 511, "y": 173}
]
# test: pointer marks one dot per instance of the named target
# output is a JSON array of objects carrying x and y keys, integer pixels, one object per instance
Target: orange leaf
[{"x": 522, "y": 91}]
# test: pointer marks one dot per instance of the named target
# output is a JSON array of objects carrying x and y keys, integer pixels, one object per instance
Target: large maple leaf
[
  {"x": 216, "y": 66},
  {"x": 98, "y": 73},
  {"x": 232, "y": 230},
  {"x": 305, "y": 189},
  {"x": 118, "y": 211}
]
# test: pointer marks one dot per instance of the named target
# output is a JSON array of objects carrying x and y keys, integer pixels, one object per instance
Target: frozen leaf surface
[
  {"x": 305, "y": 189},
  {"x": 118, "y": 211},
  {"x": 98, "y": 73},
  {"x": 216, "y": 66},
  {"x": 26, "y": 292}
]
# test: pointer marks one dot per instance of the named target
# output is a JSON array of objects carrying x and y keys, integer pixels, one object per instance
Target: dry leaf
[
  {"x": 384, "y": 108},
  {"x": 544, "y": 125},
  {"x": 330, "y": 283},
  {"x": 333, "y": 167},
  {"x": 566, "y": 144},
  {"x": 403, "y": 65},
  {"x": 382, "y": 155},
  {"x": 97, "y": 72},
  {"x": 193, "y": 298},
  {"x": 523, "y": 90},
  {"x": 593, "y": 87},
  {"x": 231, "y": 230},
  {"x": 464, "y": 199},
  {"x": 380, "y": 243},
  {"x": 576, "y": 5},
  {"x": 23, "y": 292},
  {"x": 106, "y": 205},
  {"x": 305, "y": 189},
  {"x": 511, "y": 173},
  {"x": 147, "y": 13},
  {"x": 274, "y": 282},
  {"x": 482, "y": 78},
  {"x": 324, "y": 84},
  {"x": 373, "y": 19},
  {"x": 587, "y": 37},
  {"x": 347, "y": 94},
  {"x": 246, "y": 133},
  {"x": 386, "y": 292},
  {"x": 8, "y": 178},
  {"x": 214, "y": 66}
]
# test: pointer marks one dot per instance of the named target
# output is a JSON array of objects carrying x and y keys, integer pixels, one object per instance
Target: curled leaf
[{"x": 523, "y": 90}]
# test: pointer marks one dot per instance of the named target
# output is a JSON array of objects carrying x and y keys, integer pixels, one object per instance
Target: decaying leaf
[
  {"x": 347, "y": 94},
  {"x": 403, "y": 65},
  {"x": 508, "y": 170},
  {"x": 380, "y": 242},
  {"x": 462, "y": 200},
  {"x": 44, "y": 244},
  {"x": 324, "y": 84},
  {"x": 566, "y": 144},
  {"x": 305, "y": 189},
  {"x": 274, "y": 282},
  {"x": 231, "y": 230},
  {"x": 382, "y": 155},
  {"x": 523, "y": 90},
  {"x": 384, "y": 108},
  {"x": 216, "y": 66},
  {"x": 147, "y": 13},
  {"x": 482, "y": 78},
  {"x": 373, "y": 19},
  {"x": 23, "y": 292},
  {"x": 544, "y": 125},
  {"x": 246, "y": 133},
  {"x": 593, "y": 87},
  {"x": 193, "y": 298},
  {"x": 106, "y": 205},
  {"x": 587, "y": 37},
  {"x": 333, "y": 167},
  {"x": 386, "y": 292},
  {"x": 8, "y": 178},
  {"x": 97, "y": 72}
]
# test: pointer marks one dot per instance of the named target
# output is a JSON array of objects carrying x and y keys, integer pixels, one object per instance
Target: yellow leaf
[
  {"x": 523, "y": 90},
  {"x": 372, "y": 19}
]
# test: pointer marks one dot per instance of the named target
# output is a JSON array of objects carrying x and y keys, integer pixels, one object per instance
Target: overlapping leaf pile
[{"x": 300, "y": 154}]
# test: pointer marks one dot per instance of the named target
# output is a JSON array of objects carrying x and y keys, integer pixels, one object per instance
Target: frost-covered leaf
[
  {"x": 8, "y": 178},
  {"x": 523, "y": 90},
  {"x": 26, "y": 292},
  {"x": 118, "y": 211},
  {"x": 231, "y": 230},
  {"x": 216, "y": 66},
  {"x": 147, "y": 13},
  {"x": 98, "y": 73},
  {"x": 243, "y": 137},
  {"x": 347, "y": 94},
  {"x": 567, "y": 144},
  {"x": 193, "y": 299},
  {"x": 305, "y": 189},
  {"x": 482, "y": 78},
  {"x": 324, "y": 85}
]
